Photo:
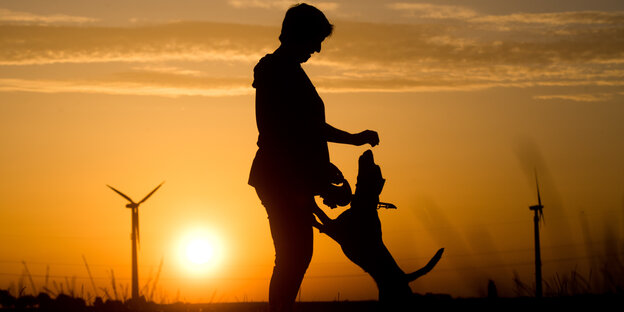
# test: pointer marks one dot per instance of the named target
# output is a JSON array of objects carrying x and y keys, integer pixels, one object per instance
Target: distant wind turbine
[
  {"x": 538, "y": 258},
  {"x": 135, "y": 235}
]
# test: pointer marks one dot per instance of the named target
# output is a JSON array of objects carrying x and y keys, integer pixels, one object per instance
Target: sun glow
[{"x": 200, "y": 252}]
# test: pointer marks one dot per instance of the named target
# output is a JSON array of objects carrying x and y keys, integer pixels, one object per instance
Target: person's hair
[{"x": 304, "y": 22}]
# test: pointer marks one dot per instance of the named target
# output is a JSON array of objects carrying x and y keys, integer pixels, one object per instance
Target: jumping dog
[{"x": 358, "y": 231}]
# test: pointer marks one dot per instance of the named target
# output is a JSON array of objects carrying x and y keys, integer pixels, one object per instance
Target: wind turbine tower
[
  {"x": 134, "y": 237},
  {"x": 538, "y": 258}
]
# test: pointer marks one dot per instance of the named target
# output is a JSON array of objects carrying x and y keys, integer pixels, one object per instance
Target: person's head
[{"x": 304, "y": 28}]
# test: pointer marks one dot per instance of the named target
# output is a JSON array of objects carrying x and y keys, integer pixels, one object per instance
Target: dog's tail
[{"x": 424, "y": 270}]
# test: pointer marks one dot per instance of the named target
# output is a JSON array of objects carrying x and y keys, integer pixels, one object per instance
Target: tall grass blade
[
  {"x": 214, "y": 294},
  {"x": 156, "y": 279},
  {"x": 56, "y": 287},
  {"x": 145, "y": 288},
  {"x": 32, "y": 282},
  {"x": 47, "y": 276},
  {"x": 114, "y": 284},
  {"x": 90, "y": 275},
  {"x": 124, "y": 291},
  {"x": 106, "y": 293},
  {"x": 48, "y": 291}
]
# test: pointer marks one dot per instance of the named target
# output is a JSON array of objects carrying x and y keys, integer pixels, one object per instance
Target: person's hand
[
  {"x": 367, "y": 136},
  {"x": 334, "y": 174}
]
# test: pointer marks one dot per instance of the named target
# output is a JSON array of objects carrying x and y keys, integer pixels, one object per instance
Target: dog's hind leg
[{"x": 427, "y": 268}]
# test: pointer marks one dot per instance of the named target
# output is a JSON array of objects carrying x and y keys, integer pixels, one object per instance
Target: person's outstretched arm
[{"x": 339, "y": 136}]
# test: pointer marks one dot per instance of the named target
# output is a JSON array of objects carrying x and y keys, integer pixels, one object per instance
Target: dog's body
[{"x": 358, "y": 231}]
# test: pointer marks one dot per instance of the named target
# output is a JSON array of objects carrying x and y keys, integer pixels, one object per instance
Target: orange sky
[{"x": 468, "y": 98}]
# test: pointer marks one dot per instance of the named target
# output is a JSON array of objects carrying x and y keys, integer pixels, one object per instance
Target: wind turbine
[
  {"x": 135, "y": 235},
  {"x": 538, "y": 258}
]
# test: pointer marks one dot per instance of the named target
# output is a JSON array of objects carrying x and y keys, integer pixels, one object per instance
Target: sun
[{"x": 200, "y": 251}]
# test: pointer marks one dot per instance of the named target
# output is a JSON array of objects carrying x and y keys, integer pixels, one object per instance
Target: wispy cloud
[
  {"x": 264, "y": 4},
  {"x": 118, "y": 87},
  {"x": 189, "y": 53},
  {"x": 466, "y": 14},
  {"x": 586, "y": 97},
  {"x": 31, "y": 44},
  {"x": 280, "y": 4},
  {"x": 25, "y": 17},
  {"x": 433, "y": 11},
  {"x": 558, "y": 18},
  {"x": 169, "y": 70},
  {"x": 359, "y": 57}
]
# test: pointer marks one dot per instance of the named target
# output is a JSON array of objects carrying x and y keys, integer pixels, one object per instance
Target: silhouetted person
[{"x": 292, "y": 163}]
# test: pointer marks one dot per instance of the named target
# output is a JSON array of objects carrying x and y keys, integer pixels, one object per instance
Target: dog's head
[{"x": 369, "y": 180}]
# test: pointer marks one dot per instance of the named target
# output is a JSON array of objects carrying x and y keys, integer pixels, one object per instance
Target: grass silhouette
[{"x": 600, "y": 286}]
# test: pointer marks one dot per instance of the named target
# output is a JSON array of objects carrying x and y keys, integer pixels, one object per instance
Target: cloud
[
  {"x": 586, "y": 97},
  {"x": 522, "y": 26},
  {"x": 436, "y": 11},
  {"x": 118, "y": 87},
  {"x": 279, "y": 4},
  {"x": 164, "y": 77},
  {"x": 169, "y": 70},
  {"x": 433, "y": 11},
  {"x": 558, "y": 18},
  {"x": 33, "y": 44},
  {"x": 359, "y": 57},
  {"x": 446, "y": 57},
  {"x": 25, "y": 17},
  {"x": 263, "y": 4}
]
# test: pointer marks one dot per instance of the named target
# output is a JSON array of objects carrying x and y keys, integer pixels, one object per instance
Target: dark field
[
  {"x": 421, "y": 303},
  {"x": 595, "y": 303}
]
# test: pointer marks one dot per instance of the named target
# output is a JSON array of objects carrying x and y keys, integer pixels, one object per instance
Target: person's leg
[{"x": 290, "y": 220}]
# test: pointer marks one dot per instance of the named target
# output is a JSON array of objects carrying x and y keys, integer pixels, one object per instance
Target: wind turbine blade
[
  {"x": 152, "y": 192},
  {"x": 539, "y": 199},
  {"x": 120, "y": 193}
]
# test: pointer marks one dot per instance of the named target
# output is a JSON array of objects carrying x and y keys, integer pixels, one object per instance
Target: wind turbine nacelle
[
  {"x": 536, "y": 207},
  {"x": 131, "y": 205}
]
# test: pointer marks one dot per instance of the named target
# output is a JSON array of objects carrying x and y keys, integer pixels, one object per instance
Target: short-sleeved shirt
[{"x": 290, "y": 115}]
